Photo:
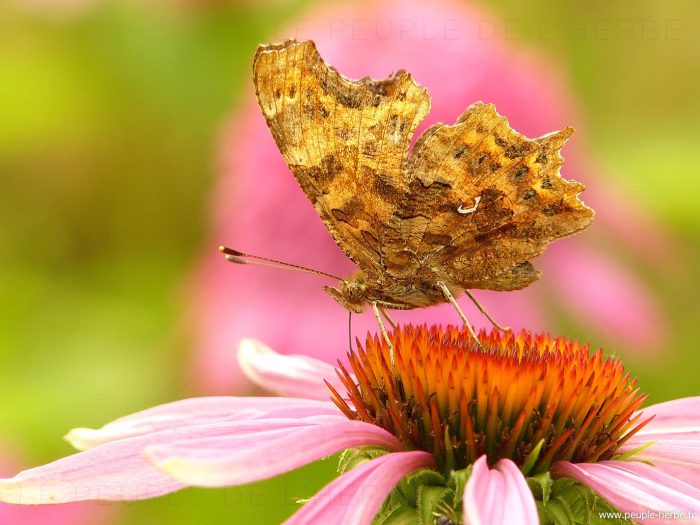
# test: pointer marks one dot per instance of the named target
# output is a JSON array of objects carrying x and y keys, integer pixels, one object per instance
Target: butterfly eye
[{"x": 466, "y": 211}]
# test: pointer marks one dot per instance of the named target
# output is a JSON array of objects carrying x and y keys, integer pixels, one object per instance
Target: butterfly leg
[
  {"x": 387, "y": 317},
  {"x": 452, "y": 300},
  {"x": 485, "y": 313},
  {"x": 375, "y": 309}
]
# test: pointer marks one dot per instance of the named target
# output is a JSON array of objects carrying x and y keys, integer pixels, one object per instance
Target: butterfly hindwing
[{"x": 490, "y": 199}]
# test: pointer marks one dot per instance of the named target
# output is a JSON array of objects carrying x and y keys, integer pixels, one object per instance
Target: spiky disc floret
[{"x": 534, "y": 399}]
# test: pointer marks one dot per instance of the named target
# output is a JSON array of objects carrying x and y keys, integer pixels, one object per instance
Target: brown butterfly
[{"x": 467, "y": 207}]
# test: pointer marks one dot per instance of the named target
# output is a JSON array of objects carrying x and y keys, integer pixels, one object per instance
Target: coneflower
[{"x": 524, "y": 429}]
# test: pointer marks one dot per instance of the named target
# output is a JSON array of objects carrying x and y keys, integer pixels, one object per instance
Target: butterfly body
[
  {"x": 356, "y": 293},
  {"x": 467, "y": 207}
]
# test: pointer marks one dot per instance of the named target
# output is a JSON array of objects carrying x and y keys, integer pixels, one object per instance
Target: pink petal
[
  {"x": 356, "y": 497},
  {"x": 197, "y": 411},
  {"x": 498, "y": 496},
  {"x": 84, "y": 513},
  {"x": 290, "y": 375},
  {"x": 687, "y": 471},
  {"x": 684, "y": 466},
  {"x": 676, "y": 415},
  {"x": 631, "y": 486},
  {"x": 666, "y": 449},
  {"x": 233, "y": 460},
  {"x": 674, "y": 434},
  {"x": 114, "y": 471},
  {"x": 118, "y": 470}
]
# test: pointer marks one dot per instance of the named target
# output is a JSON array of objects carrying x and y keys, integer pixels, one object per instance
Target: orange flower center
[{"x": 533, "y": 399}]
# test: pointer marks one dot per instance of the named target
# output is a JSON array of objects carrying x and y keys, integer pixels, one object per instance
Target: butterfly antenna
[
  {"x": 350, "y": 329},
  {"x": 237, "y": 257}
]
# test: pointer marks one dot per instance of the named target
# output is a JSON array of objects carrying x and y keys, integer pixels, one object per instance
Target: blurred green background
[{"x": 110, "y": 114}]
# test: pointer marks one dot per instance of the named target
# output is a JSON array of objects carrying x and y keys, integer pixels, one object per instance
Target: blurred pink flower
[
  {"x": 222, "y": 441},
  {"x": 73, "y": 514},
  {"x": 461, "y": 54}
]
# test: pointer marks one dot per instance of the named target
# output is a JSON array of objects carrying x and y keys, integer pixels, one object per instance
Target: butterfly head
[{"x": 351, "y": 294}]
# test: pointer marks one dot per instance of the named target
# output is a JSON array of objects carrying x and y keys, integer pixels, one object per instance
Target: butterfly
[{"x": 467, "y": 207}]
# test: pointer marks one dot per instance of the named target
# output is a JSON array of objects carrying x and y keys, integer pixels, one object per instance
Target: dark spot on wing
[
  {"x": 343, "y": 133},
  {"x": 354, "y": 206},
  {"x": 340, "y": 215},
  {"x": 379, "y": 87},
  {"x": 327, "y": 171},
  {"x": 384, "y": 187},
  {"x": 349, "y": 100},
  {"x": 520, "y": 173},
  {"x": 371, "y": 240},
  {"x": 529, "y": 194},
  {"x": 490, "y": 195},
  {"x": 408, "y": 214},
  {"x": 501, "y": 230},
  {"x": 434, "y": 185},
  {"x": 309, "y": 110},
  {"x": 346, "y": 95},
  {"x": 460, "y": 151},
  {"x": 448, "y": 206},
  {"x": 480, "y": 160},
  {"x": 369, "y": 148},
  {"x": 514, "y": 150},
  {"x": 350, "y": 211},
  {"x": 484, "y": 163},
  {"x": 393, "y": 123},
  {"x": 436, "y": 239},
  {"x": 556, "y": 208}
]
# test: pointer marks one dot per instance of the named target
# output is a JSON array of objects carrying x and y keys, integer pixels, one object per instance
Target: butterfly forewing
[{"x": 345, "y": 141}]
